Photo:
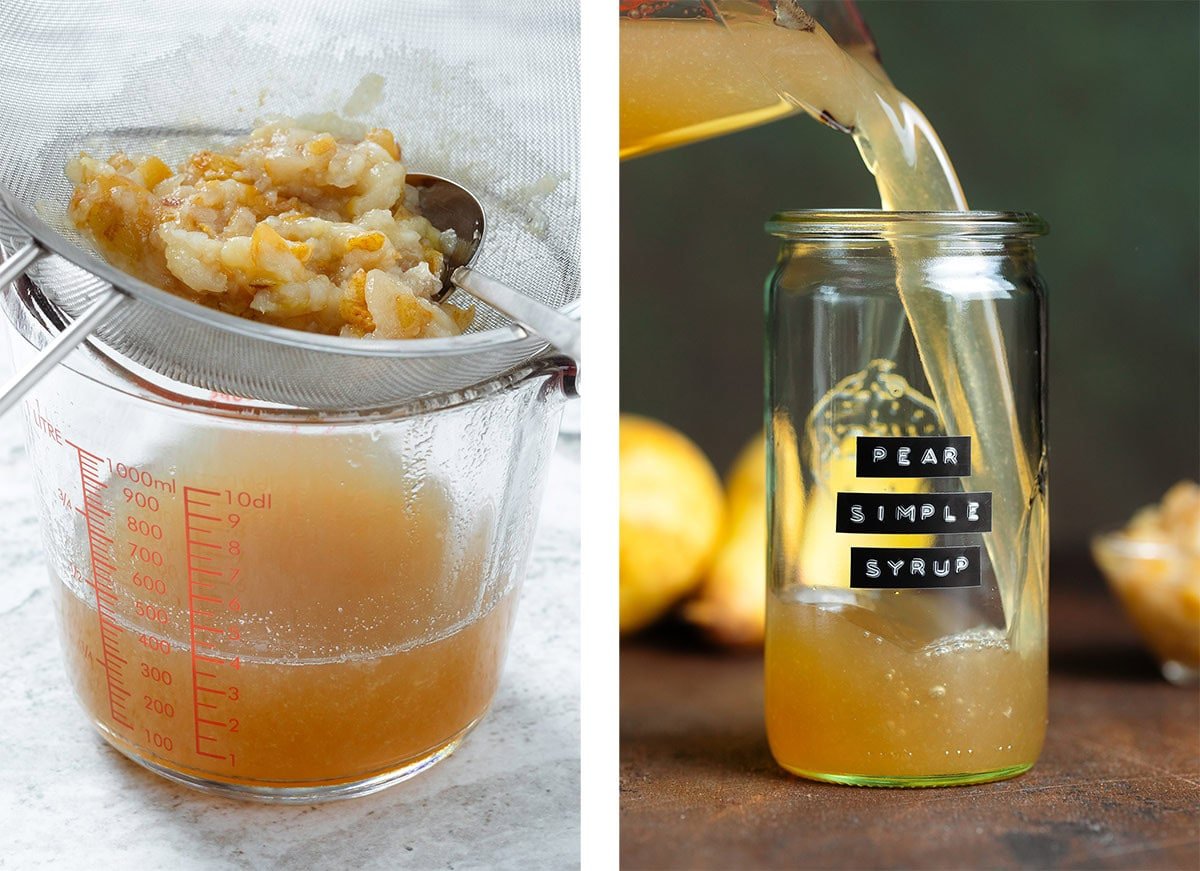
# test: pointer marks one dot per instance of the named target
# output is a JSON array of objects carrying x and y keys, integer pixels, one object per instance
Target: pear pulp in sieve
[{"x": 498, "y": 122}]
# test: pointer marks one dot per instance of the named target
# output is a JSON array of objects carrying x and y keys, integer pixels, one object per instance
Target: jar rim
[{"x": 882, "y": 224}]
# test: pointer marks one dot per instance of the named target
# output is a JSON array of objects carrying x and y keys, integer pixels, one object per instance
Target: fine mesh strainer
[{"x": 485, "y": 93}]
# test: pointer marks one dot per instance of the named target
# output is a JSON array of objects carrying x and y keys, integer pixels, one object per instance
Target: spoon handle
[{"x": 556, "y": 328}]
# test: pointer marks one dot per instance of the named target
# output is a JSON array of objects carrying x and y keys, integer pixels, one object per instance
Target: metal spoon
[{"x": 449, "y": 205}]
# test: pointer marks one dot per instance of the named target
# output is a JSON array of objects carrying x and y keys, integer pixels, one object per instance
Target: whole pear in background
[
  {"x": 731, "y": 602},
  {"x": 671, "y": 514}
]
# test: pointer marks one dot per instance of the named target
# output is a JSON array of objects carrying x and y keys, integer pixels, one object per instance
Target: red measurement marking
[
  {"x": 102, "y": 583},
  {"x": 200, "y": 587}
]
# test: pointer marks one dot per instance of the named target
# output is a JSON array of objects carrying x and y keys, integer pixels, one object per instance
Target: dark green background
[{"x": 1086, "y": 112}]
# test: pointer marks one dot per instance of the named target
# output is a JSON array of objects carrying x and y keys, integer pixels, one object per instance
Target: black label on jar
[
  {"x": 914, "y": 568},
  {"x": 902, "y": 513},
  {"x": 913, "y": 456}
]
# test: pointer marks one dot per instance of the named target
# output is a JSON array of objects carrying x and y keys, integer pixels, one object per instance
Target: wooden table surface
[{"x": 1118, "y": 784}]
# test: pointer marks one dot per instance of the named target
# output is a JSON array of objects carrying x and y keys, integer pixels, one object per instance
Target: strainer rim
[{"x": 54, "y": 242}]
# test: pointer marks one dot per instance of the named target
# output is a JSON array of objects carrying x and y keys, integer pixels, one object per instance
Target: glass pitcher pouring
[{"x": 694, "y": 69}]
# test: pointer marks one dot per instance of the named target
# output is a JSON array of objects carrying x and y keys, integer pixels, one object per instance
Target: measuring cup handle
[
  {"x": 552, "y": 325},
  {"x": 65, "y": 342}
]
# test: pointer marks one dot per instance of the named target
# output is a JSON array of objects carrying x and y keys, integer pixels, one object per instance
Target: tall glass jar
[{"x": 906, "y": 613}]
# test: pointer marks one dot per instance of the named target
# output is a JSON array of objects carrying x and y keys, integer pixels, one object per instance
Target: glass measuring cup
[{"x": 270, "y": 603}]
